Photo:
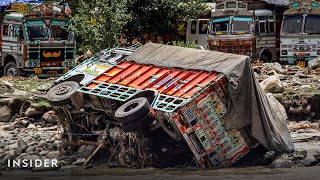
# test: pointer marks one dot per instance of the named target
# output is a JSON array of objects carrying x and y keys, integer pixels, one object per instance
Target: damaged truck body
[{"x": 206, "y": 105}]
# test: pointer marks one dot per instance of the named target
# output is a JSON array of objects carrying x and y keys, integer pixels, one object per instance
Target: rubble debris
[
  {"x": 5, "y": 113},
  {"x": 314, "y": 64},
  {"x": 272, "y": 85}
]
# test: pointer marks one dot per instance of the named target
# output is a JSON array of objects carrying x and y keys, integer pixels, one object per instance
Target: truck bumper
[{"x": 47, "y": 71}]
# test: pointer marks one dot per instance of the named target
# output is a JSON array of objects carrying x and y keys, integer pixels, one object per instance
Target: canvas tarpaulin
[{"x": 247, "y": 103}]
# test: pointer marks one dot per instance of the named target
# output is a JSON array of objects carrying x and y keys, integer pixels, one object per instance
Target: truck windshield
[
  {"x": 38, "y": 30},
  {"x": 312, "y": 25},
  {"x": 241, "y": 25},
  {"x": 292, "y": 24},
  {"x": 220, "y": 26}
]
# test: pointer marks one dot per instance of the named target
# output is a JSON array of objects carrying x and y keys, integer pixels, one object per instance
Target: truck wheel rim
[
  {"x": 62, "y": 90},
  {"x": 12, "y": 71}
]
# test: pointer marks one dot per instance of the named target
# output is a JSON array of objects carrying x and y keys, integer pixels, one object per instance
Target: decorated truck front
[
  {"x": 36, "y": 40},
  {"x": 300, "y": 33},
  {"x": 243, "y": 27}
]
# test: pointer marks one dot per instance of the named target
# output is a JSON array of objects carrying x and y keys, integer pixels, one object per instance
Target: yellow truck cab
[{"x": 35, "y": 40}]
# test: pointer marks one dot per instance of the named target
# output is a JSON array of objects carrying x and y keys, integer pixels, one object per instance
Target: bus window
[
  {"x": 193, "y": 27},
  {"x": 203, "y": 27},
  {"x": 6, "y": 30},
  {"x": 262, "y": 27},
  {"x": 231, "y": 5},
  {"x": 271, "y": 27}
]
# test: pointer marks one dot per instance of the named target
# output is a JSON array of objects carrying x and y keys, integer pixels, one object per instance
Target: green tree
[
  {"x": 98, "y": 23},
  {"x": 162, "y": 16}
]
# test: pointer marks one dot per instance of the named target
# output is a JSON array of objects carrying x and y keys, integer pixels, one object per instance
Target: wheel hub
[
  {"x": 62, "y": 90},
  {"x": 12, "y": 71}
]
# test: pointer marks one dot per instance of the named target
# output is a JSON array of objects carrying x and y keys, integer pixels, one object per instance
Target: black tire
[
  {"x": 138, "y": 124},
  {"x": 264, "y": 58},
  {"x": 149, "y": 94},
  {"x": 169, "y": 126},
  {"x": 59, "y": 94},
  {"x": 132, "y": 110},
  {"x": 11, "y": 69}
]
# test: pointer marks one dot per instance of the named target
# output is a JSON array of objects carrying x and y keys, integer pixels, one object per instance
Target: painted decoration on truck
[{"x": 202, "y": 123}]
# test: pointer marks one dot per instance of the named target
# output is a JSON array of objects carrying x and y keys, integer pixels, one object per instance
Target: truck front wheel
[{"x": 11, "y": 69}]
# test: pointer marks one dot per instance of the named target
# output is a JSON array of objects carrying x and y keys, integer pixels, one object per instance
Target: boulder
[
  {"x": 50, "y": 117},
  {"x": 282, "y": 163},
  {"x": 314, "y": 64},
  {"x": 8, "y": 127},
  {"x": 53, "y": 154},
  {"x": 22, "y": 144},
  {"x": 5, "y": 113},
  {"x": 85, "y": 151},
  {"x": 31, "y": 111},
  {"x": 7, "y": 158},
  {"x": 24, "y": 123},
  {"x": 30, "y": 149},
  {"x": 79, "y": 162},
  {"x": 31, "y": 126},
  {"x": 305, "y": 88},
  {"x": 272, "y": 85}
]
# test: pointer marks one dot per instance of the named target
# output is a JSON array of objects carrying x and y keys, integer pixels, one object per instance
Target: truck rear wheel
[
  {"x": 169, "y": 126},
  {"x": 11, "y": 69},
  {"x": 132, "y": 110},
  {"x": 60, "y": 94}
]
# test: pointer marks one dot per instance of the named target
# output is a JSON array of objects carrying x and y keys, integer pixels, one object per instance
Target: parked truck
[
  {"x": 300, "y": 33},
  {"x": 35, "y": 40},
  {"x": 244, "y": 27}
]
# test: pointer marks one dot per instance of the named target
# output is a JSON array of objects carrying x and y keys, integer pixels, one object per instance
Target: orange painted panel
[{"x": 169, "y": 81}]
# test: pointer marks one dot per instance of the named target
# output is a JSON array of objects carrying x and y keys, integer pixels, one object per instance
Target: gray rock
[
  {"x": 18, "y": 151},
  {"x": 314, "y": 64},
  {"x": 5, "y": 113},
  {"x": 305, "y": 88},
  {"x": 43, "y": 153},
  {"x": 30, "y": 149},
  {"x": 317, "y": 156},
  {"x": 53, "y": 154},
  {"x": 50, "y": 117},
  {"x": 7, "y": 158},
  {"x": 68, "y": 161},
  {"x": 79, "y": 162},
  {"x": 24, "y": 123},
  {"x": 298, "y": 155},
  {"x": 310, "y": 161},
  {"x": 282, "y": 163},
  {"x": 31, "y": 126},
  {"x": 85, "y": 151},
  {"x": 272, "y": 85},
  {"x": 8, "y": 127},
  {"x": 22, "y": 144},
  {"x": 41, "y": 144},
  {"x": 31, "y": 111}
]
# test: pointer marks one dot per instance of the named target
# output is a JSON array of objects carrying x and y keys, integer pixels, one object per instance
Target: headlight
[
  {"x": 318, "y": 52},
  {"x": 284, "y": 52}
]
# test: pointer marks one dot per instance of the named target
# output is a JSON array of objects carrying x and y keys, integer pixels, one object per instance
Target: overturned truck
[{"x": 183, "y": 103}]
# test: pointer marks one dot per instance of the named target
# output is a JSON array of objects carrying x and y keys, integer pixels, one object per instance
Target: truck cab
[
  {"x": 245, "y": 28},
  {"x": 36, "y": 40},
  {"x": 300, "y": 32}
]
